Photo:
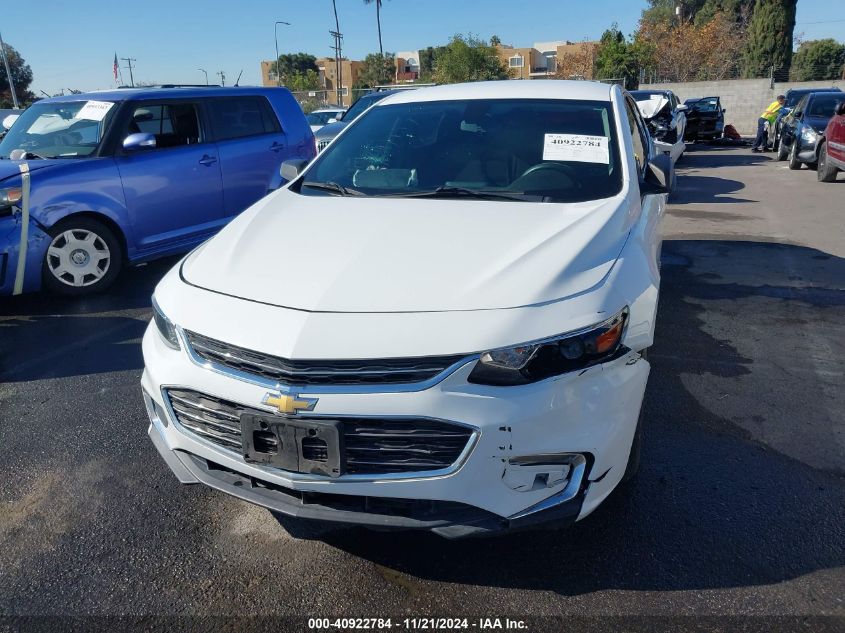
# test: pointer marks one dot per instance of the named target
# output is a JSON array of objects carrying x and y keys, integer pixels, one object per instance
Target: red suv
[{"x": 832, "y": 146}]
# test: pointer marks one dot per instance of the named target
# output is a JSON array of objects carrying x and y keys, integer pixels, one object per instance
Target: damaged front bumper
[{"x": 11, "y": 242}]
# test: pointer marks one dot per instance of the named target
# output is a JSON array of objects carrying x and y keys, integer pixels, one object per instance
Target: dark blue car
[{"x": 130, "y": 175}]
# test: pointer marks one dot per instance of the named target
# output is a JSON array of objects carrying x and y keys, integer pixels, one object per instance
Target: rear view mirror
[
  {"x": 658, "y": 176},
  {"x": 332, "y": 120},
  {"x": 139, "y": 141},
  {"x": 290, "y": 169}
]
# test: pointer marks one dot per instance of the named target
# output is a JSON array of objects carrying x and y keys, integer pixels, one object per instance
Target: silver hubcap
[{"x": 78, "y": 257}]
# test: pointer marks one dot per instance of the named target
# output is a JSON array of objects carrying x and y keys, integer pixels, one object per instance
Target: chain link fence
[{"x": 735, "y": 70}]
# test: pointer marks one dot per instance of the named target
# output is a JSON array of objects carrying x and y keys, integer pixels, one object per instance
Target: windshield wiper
[
  {"x": 332, "y": 186},
  {"x": 481, "y": 194}
]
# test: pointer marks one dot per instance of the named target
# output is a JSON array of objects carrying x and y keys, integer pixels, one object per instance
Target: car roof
[
  {"x": 138, "y": 94},
  {"x": 533, "y": 89},
  {"x": 803, "y": 91}
]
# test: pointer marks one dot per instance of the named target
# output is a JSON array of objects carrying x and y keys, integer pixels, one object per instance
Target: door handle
[
  {"x": 276, "y": 147},
  {"x": 208, "y": 160}
]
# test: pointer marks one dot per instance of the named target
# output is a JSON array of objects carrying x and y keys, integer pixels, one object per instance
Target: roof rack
[{"x": 172, "y": 86}]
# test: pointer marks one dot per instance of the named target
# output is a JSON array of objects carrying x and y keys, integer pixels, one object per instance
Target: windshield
[
  {"x": 362, "y": 104},
  {"x": 645, "y": 95},
  {"x": 538, "y": 150},
  {"x": 59, "y": 129},
  {"x": 707, "y": 104},
  {"x": 824, "y": 105}
]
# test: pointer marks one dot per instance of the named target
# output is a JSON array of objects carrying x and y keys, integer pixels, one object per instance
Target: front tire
[
  {"x": 783, "y": 151},
  {"x": 794, "y": 163},
  {"x": 84, "y": 257},
  {"x": 826, "y": 172}
]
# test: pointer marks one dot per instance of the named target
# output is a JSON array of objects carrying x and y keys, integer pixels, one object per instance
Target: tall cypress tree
[{"x": 770, "y": 38}]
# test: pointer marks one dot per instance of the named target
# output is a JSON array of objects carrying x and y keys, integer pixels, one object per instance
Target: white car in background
[
  {"x": 666, "y": 118},
  {"x": 319, "y": 118},
  {"x": 440, "y": 324}
]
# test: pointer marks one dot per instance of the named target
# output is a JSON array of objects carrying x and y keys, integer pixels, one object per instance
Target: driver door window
[{"x": 173, "y": 124}]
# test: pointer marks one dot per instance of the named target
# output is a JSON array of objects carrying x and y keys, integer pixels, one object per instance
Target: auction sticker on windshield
[
  {"x": 94, "y": 110},
  {"x": 576, "y": 147}
]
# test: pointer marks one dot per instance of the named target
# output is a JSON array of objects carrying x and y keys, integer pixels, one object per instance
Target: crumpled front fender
[{"x": 10, "y": 247}]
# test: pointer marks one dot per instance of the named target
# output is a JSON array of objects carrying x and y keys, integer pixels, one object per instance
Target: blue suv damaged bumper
[{"x": 36, "y": 242}]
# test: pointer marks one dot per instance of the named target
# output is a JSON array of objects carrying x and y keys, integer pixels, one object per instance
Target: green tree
[
  {"x": 769, "y": 37},
  {"x": 377, "y": 69},
  {"x": 818, "y": 60},
  {"x": 495, "y": 41},
  {"x": 615, "y": 58},
  {"x": 467, "y": 58},
  {"x": 739, "y": 10},
  {"x": 378, "y": 4},
  {"x": 300, "y": 82},
  {"x": 21, "y": 77},
  {"x": 295, "y": 64},
  {"x": 428, "y": 60},
  {"x": 663, "y": 11}
]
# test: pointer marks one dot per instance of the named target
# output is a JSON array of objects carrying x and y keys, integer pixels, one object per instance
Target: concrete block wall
[{"x": 744, "y": 99}]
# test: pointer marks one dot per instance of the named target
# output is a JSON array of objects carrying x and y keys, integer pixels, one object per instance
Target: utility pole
[
  {"x": 204, "y": 72},
  {"x": 222, "y": 76},
  {"x": 338, "y": 52},
  {"x": 129, "y": 61},
  {"x": 9, "y": 74},
  {"x": 338, "y": 64}
]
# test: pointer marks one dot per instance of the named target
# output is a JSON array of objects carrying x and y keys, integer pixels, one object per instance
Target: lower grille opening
[
  {"x": 315, "y": 449},
  {"x": 266, "y": 442}
]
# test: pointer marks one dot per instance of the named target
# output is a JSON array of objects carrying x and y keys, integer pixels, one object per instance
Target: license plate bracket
[{"x": 296, "y": 445}]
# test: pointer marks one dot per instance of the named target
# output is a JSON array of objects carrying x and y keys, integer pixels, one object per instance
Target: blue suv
[{"x": 131, "y": 175}]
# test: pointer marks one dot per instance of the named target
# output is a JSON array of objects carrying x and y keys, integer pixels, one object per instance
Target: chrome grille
[
  {"x": 371, "y": 445},
  {"x": 320, "y": 372}
]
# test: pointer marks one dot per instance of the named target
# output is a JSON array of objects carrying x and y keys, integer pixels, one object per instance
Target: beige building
[{"x": 562, "y": 59}]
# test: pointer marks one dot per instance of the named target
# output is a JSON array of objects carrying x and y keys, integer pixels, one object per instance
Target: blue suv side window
[{"x": 240, "y": 117}]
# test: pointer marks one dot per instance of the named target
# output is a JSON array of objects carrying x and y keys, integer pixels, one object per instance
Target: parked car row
[
  {"x": 793, "y": 96},
  {"x": 813, "y": 133}
]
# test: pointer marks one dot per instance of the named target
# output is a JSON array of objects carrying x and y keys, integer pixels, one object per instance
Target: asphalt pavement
[{"x": 737, "y": 517}]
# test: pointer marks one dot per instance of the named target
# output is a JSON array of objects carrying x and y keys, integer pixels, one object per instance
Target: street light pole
[
  {"x": 276, "y": 37},
  {"x": 205, "y": 72}
]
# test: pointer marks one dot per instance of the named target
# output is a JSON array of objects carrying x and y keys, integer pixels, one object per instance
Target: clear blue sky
[{"x": 72, "y": 44}]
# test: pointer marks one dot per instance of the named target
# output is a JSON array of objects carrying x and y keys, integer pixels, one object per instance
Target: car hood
[
  {"x": 10, "y": 168},
  {"x": 650, "y": 107},
  {"x": 344, "y": 254},
  {"x": 330, "y": 130},
  {"x": 817, "y": 123}
]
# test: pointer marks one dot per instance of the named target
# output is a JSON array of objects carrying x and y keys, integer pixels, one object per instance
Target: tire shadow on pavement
[{"x": 741, "y": 482}]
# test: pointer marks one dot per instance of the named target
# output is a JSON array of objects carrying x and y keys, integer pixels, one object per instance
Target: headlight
[
  {"x": 809, "y": 134},
  {"x": 9, "y": 197},
  {"x": 165, "y": 327},
  {"x": 530, "y": 362}
]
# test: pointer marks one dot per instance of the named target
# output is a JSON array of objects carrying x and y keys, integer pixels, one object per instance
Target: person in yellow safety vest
[{"x": 768, "y": 118}]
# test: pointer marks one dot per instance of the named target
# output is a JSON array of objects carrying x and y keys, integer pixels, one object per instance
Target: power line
[{"x": 129, "y": 61}]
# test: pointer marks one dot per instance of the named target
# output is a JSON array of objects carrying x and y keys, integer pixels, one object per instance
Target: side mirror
[
  {"x": 139, "y": 141},
  {"x": 9, "y": 121},
  {"x": 840, "y": 108},
  {"x": 290, "y": 169},
  {"x": 682, "y": 108},
  {"x": 724, "y": 110},
  {"x": 658, "y": 176}
]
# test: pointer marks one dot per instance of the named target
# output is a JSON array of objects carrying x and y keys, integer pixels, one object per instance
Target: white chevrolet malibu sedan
[{"x": 440, "y": 323}]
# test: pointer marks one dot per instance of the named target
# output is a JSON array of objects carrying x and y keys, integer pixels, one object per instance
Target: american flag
[{"x": 114, "y": 69}]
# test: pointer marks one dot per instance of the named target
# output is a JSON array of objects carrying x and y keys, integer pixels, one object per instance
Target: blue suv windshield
[{"x": 71, "y": 129}]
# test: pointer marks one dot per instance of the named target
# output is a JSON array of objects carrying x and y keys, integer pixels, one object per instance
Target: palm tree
[{"x": 378, "y": 21}]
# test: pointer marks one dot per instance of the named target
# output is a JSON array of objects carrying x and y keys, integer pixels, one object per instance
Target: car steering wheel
[{"x": 565, "y": 170}]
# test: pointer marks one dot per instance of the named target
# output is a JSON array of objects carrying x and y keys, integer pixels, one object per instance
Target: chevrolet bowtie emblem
[{"x": 289, "y": 404}]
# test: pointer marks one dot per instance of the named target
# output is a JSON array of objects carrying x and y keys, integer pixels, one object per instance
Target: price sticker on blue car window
[
  {"x": 576, "y": 147},
  {"x": 94, "y": 110}
]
